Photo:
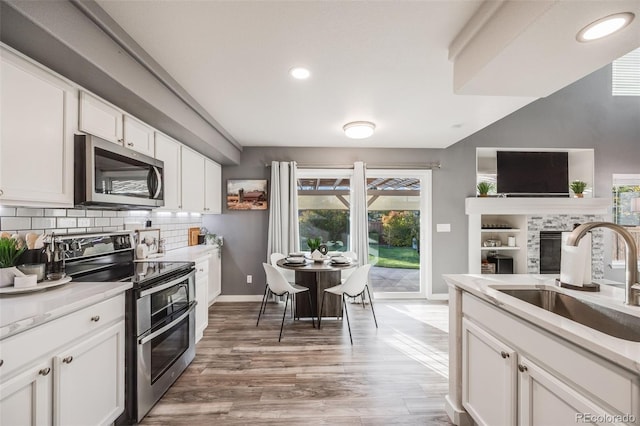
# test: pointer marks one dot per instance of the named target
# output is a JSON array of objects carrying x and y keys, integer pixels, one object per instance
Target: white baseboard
[{"x": 240, "y": 298}]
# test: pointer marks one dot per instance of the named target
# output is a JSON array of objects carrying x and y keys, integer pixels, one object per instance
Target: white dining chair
[
  {"x": 288, "y": 274},
  {"x": 278, "y": 285},
  {"x": 354, "y": 286}
]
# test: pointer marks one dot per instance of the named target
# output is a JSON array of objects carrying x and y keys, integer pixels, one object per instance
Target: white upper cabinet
[
  {"x": 38, "y": 120},
  {"x": 212, "y": 187},
  {"x": 138, "y": 136},
  {"x": 168, "y": 151},
  {"x": 104, "y": 120},
  {"x": 100, "y": 119},
  {"x": 192, "y": 181}
]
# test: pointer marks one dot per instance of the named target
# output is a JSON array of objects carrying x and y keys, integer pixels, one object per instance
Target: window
[
  {"x": 323, "y": 207},
  {"x": 626, "y": 75},
  {"x": 626, "y": 188}
]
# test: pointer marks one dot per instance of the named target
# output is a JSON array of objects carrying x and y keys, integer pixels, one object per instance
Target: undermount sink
[{"x": 606, "y": 320}]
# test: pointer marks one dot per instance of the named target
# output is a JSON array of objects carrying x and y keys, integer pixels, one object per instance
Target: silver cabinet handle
[
  {"x": 67, "y": 360},
  {"x": 44, "y": 371},
  {"x": 1, "y": 192},
  {"x": 504, "y": 354},
  {"x": 1, "y": 362},
  {"x": 129, "y": 143},
  {"x": 121, "y": 140},
  {"x": 95, "y": 318},
  {"x": 522, "y": 368}
]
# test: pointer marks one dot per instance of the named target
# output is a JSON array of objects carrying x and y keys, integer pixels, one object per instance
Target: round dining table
[{"x": 317, "y": 276}]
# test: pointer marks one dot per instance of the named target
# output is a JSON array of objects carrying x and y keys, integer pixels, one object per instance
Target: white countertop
[
  {"x": 186, "y": 254},
  {"x": 622, "y": 352},
  {"x": 22, "y": 312}
]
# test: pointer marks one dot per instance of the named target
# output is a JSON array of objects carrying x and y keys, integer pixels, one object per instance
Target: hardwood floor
[{"x": 241, "y": 375}]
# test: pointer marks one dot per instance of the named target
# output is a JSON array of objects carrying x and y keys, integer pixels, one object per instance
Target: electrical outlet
[{"x": 249, "y": 279}]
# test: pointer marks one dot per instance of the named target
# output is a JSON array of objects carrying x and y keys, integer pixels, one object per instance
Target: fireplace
[{"x": 550, "y": 249}]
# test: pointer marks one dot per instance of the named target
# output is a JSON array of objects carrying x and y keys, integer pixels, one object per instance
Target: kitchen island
[{"x": 511, "y": 362}]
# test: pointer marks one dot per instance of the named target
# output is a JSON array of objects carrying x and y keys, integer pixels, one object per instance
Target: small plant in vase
[
  {"x": 9, "y": 254},
  {"x": 484, "y": 188},
  {"x": 578, "y": 187},
  {"x": 314, "y": 243}
]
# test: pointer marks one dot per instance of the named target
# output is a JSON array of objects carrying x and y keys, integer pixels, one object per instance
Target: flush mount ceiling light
[
  {"x": 299, "y": 73},
  {"x": 359, "y": 129},
  {"x": 605, "y": 26}
]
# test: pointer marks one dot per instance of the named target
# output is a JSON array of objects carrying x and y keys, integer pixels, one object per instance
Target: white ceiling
[{"x": 384, "y": 61}]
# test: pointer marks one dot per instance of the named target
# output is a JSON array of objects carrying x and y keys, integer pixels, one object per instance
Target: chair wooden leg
[
  {"x": 321, "y": 306},
  {"x": 311, "y": 311},
  {"x": 284, "y": 314},
  {"x": 264, "y": 302},
  {"x": 371, "y": 302},
  {"x": 346, "y": 314}
]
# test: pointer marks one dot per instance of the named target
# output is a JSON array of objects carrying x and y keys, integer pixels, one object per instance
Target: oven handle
[
  {"x": 168, "y": 326},
  {"x": 167, "y": 285}
]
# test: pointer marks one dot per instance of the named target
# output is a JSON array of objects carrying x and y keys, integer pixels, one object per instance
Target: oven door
[{"x": 162, "y": 355}]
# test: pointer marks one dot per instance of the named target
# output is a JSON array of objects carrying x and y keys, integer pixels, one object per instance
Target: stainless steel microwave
[{"x": 111, "y": 176}]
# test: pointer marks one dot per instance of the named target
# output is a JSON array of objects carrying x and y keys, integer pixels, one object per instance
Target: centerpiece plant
[{"x": 314, "y": 243}]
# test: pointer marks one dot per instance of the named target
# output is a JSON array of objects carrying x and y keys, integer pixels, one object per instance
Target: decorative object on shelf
[
  {"x": 578, "y": 187},
  {"x": 149, "y": 239},
  {"x": 484, "y": 188},
  {"x": 193, "y": 236},
  {"x": 247, "y": 194},
  {"x": 511, "y": 241},
  {"x": 9, "y": 254}
]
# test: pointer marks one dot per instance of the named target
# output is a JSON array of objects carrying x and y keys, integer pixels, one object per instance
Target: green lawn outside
[{"x": 398, "y": 257}]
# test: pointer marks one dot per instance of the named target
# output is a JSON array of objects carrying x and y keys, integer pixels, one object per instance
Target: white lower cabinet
[
  {"x": 69, "y": 371},
  {"x": 503, "y": 385},
  {"x": 215, "y": 275},
  {"x": 26, "y": 399},
  {"x": 89, "y": 380},
  {"x": 202, "y": 308},
  {"x": 488, "y": 375}
]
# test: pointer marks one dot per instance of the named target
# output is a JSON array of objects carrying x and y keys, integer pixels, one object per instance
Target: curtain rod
[{"x": 421, "y": 166}]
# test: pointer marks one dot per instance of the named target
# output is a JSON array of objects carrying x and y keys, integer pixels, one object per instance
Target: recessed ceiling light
[
  {"x": 359, "y": 129},
  {"x": 299, "y": 73},
  {"x": 605, "y": 26}
]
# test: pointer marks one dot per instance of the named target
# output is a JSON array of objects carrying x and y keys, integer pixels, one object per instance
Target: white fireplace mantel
[{"x": 536, "y": 206}]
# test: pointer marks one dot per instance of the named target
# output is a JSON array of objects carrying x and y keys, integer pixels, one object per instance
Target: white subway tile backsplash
[
  {"x": 76, "y": 213},
  {"x": 55, "y": 212},
  {"x": 67, "y": 222},
  {"x": 22, "y": 211},
  {"x": 43, "y": 222},
  {"x": 86, "y": 222},
  {"x": 102, "y": 221},
  {"x": 15, "y": 223},
  {"x": 7, "y": 211},
  {"x": 173, "y": 227}
]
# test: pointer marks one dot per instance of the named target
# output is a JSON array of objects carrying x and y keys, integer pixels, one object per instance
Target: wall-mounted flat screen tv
[{"x": 533, "y": 174}]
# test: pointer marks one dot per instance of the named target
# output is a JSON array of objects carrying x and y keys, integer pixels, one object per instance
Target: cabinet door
[
  {"x": 544, "y": 400},
  {"x": 168, "y": 151},
  {"x": 39, "y": 113},
  {"x": 488, "y": 377},
  {"x": 192, "y": 183},
  {"x": 89, "y": 380},
  {"x": 202, "y": 308},
  {"x": 215, "y": 275},
  {"x": 100, "y": 119},
  {"x": 213, "y": 187},
  {"x": 138, "y": 136},
  {"x": 26, "y": 399}
]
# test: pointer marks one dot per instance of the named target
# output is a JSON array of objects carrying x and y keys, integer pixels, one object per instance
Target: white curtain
[
  {"x": 283, "y": 234},
  {"x": 359, "y": 219}
]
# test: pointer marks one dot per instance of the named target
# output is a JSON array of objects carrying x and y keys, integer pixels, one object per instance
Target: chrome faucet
[{"x": 632, "y": 290}]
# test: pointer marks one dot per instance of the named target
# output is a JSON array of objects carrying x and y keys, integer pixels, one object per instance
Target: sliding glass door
[{"x": 399, "y": 237}]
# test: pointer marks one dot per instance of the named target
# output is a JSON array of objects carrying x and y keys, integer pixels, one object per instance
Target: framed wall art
[{"x": 247, "y": 194}]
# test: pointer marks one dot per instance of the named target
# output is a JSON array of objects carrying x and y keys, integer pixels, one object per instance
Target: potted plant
[
  {"x": 9, "y": 254},
  {"x": 484, "y": 188},
  {"x": 578, "y": 187},
  {"x": 314, "y": 243}
]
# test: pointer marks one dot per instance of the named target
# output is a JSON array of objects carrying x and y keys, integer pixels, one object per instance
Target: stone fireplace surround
[{"x": 539, "y": 214}]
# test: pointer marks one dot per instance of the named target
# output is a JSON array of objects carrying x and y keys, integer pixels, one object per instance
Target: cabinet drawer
[
  {"x": 22, "y": 349},
  {"x": 593, "y": 376}
]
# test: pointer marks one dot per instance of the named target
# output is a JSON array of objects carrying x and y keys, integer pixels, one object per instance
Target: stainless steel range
[{"x": 160, "y": 313}]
